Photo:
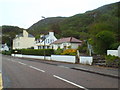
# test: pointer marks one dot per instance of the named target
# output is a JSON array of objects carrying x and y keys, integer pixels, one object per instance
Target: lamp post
[
  {"x": 44, "y": 46},
  {"x": 44, "y": 40},
  {"x": 10, "y": 44}
]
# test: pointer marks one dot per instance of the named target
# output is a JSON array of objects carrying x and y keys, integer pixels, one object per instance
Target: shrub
[
  {"x": 69, "y": 52},
  {"x": 39, "y": 52},
  {"x": 16, "y": 51},
  {"x": 58, "y": 51},
  {"x": 113, "y": 61},
  {"x": 6, "y": 52}
]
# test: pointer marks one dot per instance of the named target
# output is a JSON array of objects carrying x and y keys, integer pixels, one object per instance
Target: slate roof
[{"x": 68, "y": 39}]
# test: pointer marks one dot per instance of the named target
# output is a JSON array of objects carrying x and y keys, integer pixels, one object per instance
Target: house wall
[
  {"x": 5, "y": 49},
  {"x": 119, "y": 51},
  {"x": 50, "y": 39},
  {"x": 74, "y": 45},
  {"x": 23, "y": 42},
  {"x": 112, "y": 52},
  {"x": 61, "y": 45}
]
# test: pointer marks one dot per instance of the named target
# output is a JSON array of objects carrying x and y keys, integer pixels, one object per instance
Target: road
[{"x": 21, "y": 73}]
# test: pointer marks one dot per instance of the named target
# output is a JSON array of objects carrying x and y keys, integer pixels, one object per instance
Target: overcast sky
[{"x": 24, "y": 13}]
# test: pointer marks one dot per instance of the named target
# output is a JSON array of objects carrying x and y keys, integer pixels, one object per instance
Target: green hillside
[
  {"x": 99, "y": 27},
  {"x": 105, "y": 17},
  {"x": 9, "y": 32},
  {"x": 45, "y": 25}
]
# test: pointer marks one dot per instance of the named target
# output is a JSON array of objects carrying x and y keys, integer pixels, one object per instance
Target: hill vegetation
[
  {"x": 9, "y": 32},
  {"x": 99, "y": 27}
]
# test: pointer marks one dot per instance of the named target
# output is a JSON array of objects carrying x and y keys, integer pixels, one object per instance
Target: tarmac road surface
[{"x": 21, "y": 73}]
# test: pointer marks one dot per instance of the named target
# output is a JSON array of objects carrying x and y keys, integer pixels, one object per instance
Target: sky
[{"x": 24, "y": 13}]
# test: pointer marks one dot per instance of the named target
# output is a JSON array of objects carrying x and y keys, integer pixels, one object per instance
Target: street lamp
[
  {"x": 44, "y": 40},
  {"x": 10, "y": 44}
]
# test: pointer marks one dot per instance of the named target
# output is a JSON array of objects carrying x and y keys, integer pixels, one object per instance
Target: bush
[
  {"x": 6, "y": 52},
  {"x": 69, "y": 52},
  {"x": 112, "y": 61},
  {"x": 39, "y": 52},
  {"x": 58, "y": 51},
  {"x": 16, "y": 51}
]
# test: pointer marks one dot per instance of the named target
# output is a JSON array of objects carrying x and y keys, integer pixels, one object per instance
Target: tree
[{"x": 102, "y": 41}]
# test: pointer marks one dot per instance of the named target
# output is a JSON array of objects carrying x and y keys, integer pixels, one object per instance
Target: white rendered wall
[
  {"x": 86, "y": 60},
  {"x": 112, "y": 52},
  {"x": 63, "y": 58}
]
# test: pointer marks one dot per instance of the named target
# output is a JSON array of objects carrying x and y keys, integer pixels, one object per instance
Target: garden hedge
[{"x": 39, "y": 52}]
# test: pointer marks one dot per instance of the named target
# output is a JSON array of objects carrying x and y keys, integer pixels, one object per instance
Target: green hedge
[
  {"x": 112, "y": 61},
  {"x": 39, "y": 52},
  {"x": 6, "y": 52}
]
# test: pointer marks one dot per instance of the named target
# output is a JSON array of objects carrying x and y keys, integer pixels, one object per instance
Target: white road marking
[
  {"x": 70, "y": 82},
  {"x": 63, "y": 66},
  {"x": 37, "y": 69},
  {"x": 22, "y": 63}
]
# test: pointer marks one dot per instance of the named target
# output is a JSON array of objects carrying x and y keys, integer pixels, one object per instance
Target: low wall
[
  {"x": 16, "y": 55},
  {"x": 32, "y": 56},
  {"x": 63, "y": 58},
  {"x": 86, "y": 60},
  {"x": 112, "y": 52}
]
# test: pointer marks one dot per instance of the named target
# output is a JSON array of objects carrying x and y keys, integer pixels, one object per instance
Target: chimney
[
  {"x": 51, "y": 33},
  {"x": 25, "y": 33}
]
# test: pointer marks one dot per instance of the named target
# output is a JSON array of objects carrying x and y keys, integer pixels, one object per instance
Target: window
[
  {"x": 51, "y": 41},
  {"x": 18, "y": 44},
  {"x": 48, "y": 40}
]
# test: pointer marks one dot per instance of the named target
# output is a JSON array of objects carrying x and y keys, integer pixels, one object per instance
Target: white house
[
  {"x": 65, "y": 43},
  {"x": 4, "y": 47},
  {"x": 23, "y": 41},
  {"x": 44, "y": 41}
]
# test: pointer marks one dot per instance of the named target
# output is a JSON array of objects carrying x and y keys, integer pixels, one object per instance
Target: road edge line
[
  {"x": 70, "y": 82},
  {"x": 1, "y": 83}
]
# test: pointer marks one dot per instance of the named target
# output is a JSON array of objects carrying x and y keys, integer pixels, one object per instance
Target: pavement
[{"x": 96, "y": 69}]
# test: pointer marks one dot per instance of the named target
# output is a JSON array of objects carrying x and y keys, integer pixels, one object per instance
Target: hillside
[
  {"x": 99, "y": 27},
  {"x": 83, "y": 25},
  {"x": 44, "y": 25},
  {"x": 9, "y": 32}
]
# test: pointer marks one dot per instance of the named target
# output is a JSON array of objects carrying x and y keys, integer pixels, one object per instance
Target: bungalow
[
  {"x": 44, "y": 41},
  {"x": 4, "y": 47},
  {"x": 23, "y": 41},
  {"x": 66, "y": 43}
]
